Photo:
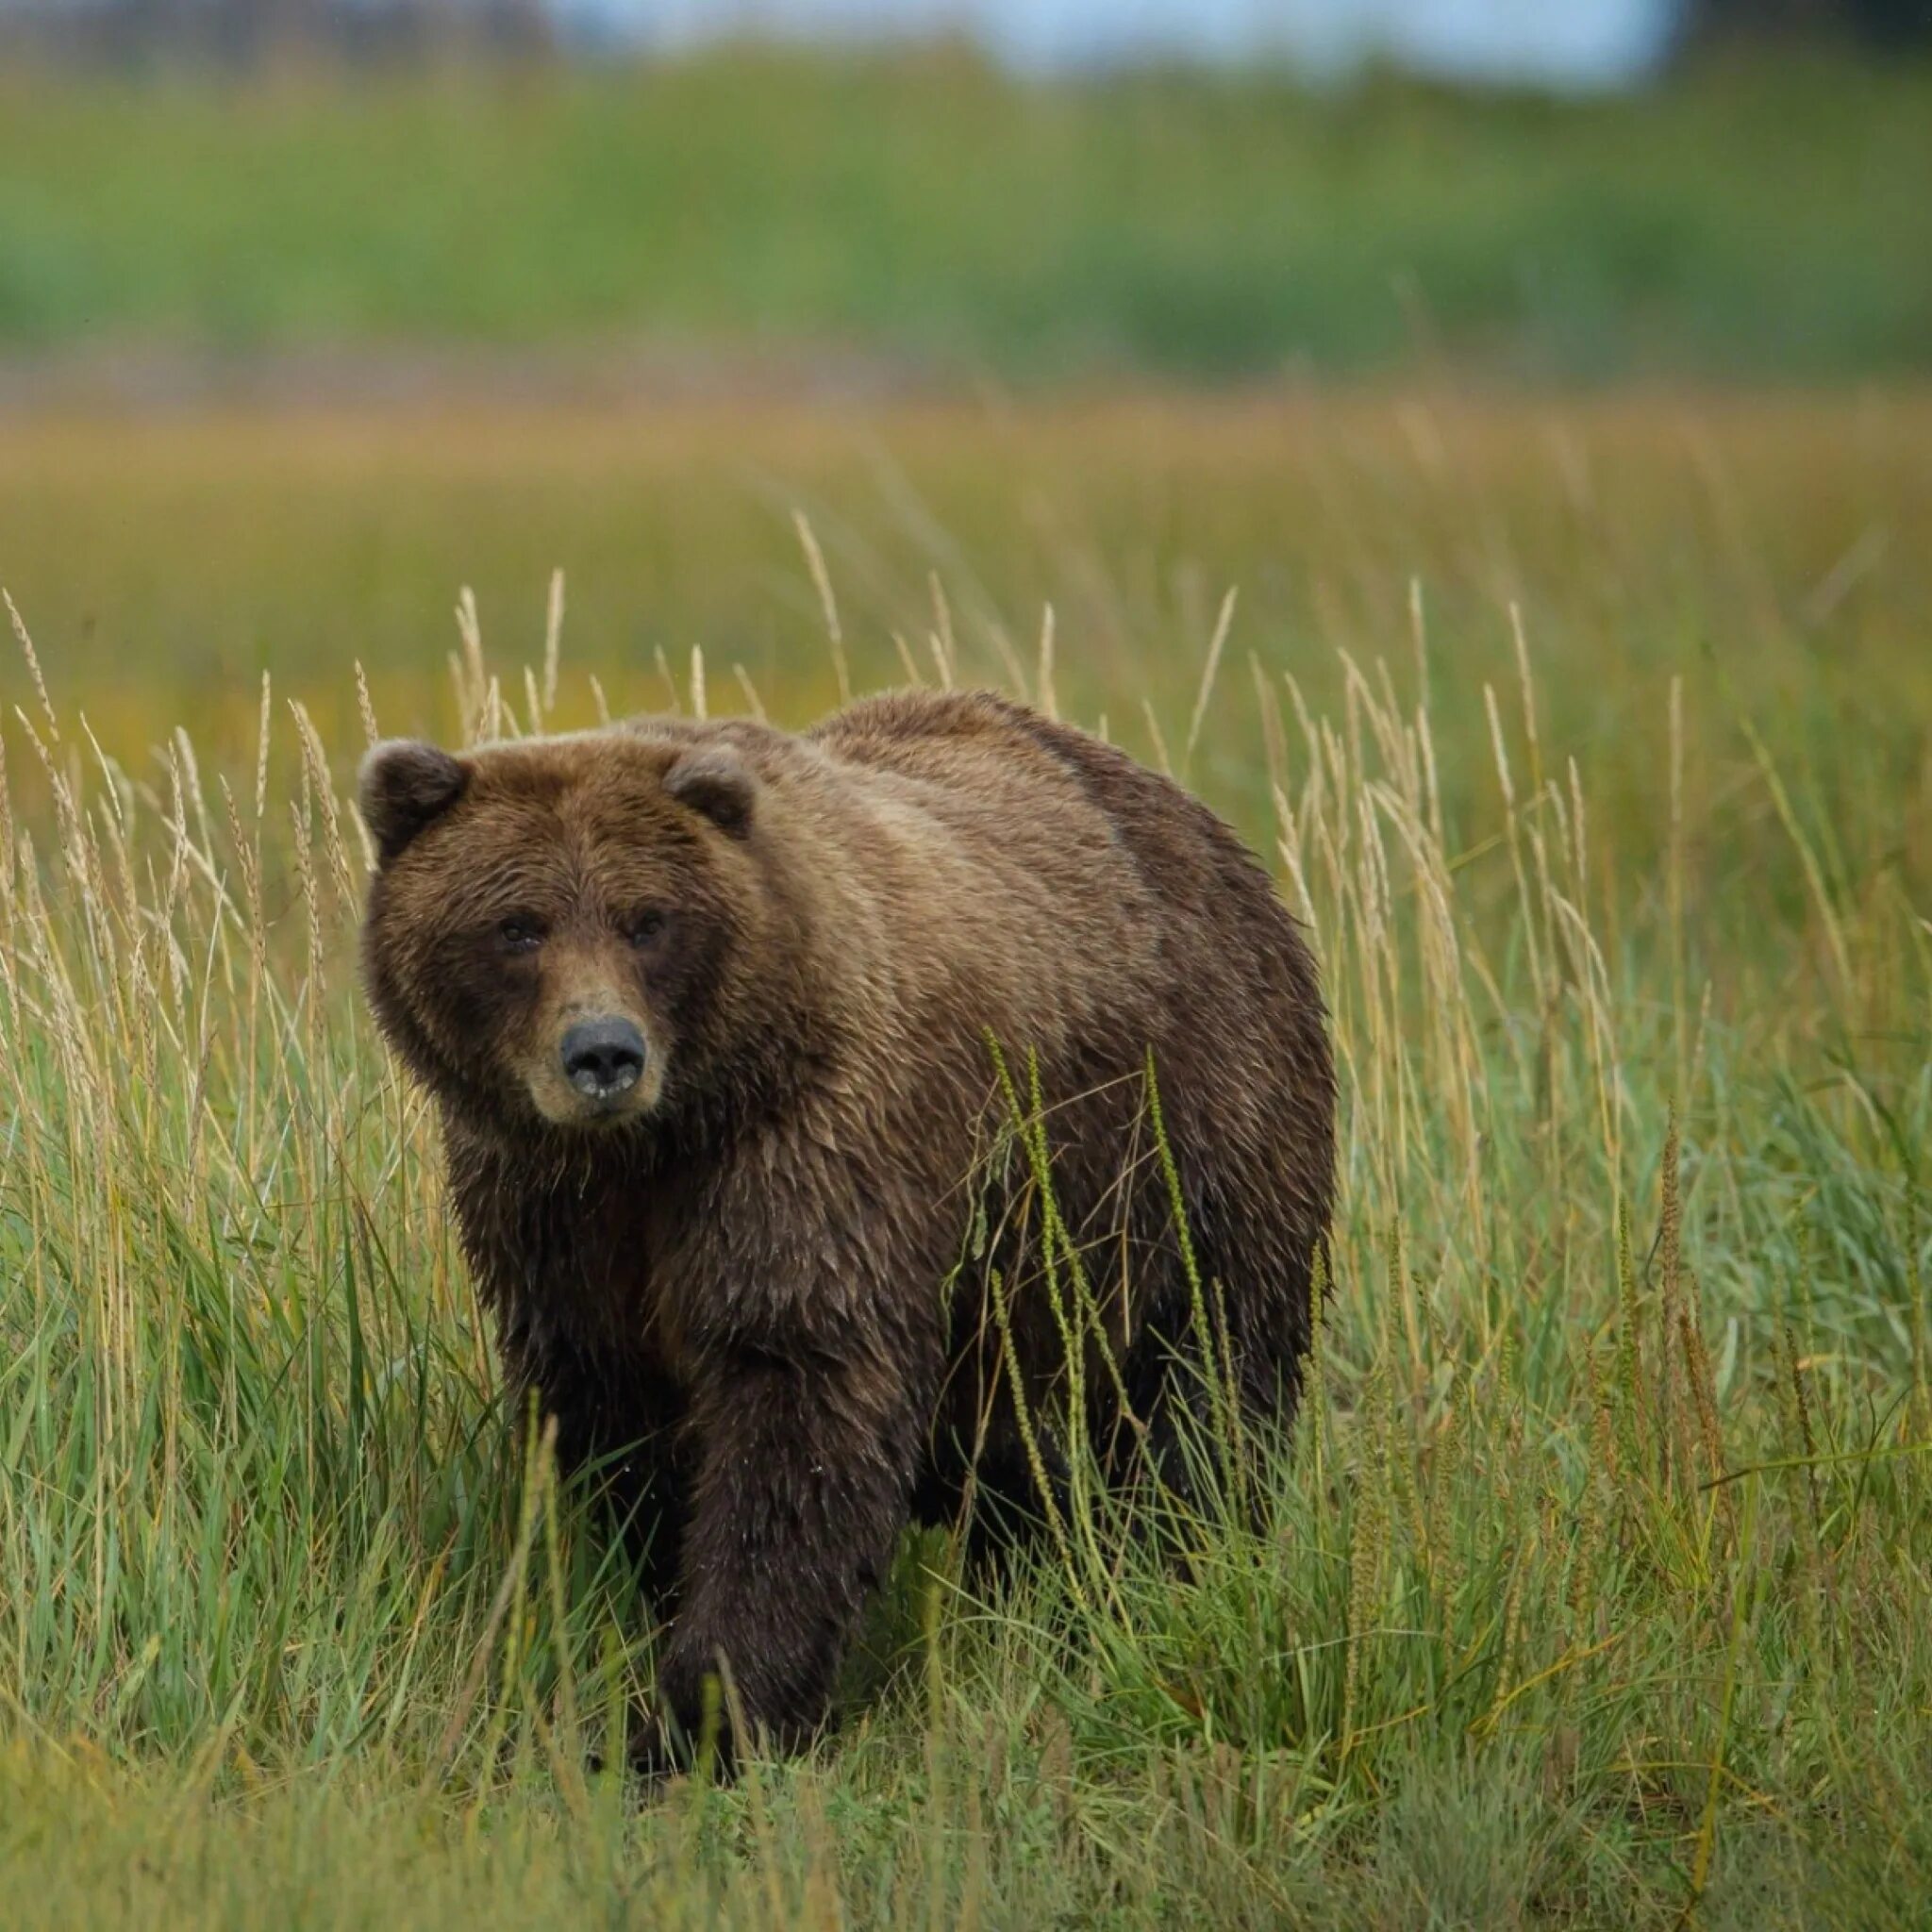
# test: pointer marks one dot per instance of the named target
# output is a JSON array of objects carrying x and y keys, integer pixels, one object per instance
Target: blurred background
[
  {"x": 943, "y": 189},
  {"x": 312, "y": 312}
]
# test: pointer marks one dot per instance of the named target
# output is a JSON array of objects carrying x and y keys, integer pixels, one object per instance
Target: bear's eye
[
  {"x": 521, "y": 935},
  {"x": 645, "y": 928}
]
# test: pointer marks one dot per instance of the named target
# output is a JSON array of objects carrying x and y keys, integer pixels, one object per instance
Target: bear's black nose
[{"x": 602, "y": 1058}]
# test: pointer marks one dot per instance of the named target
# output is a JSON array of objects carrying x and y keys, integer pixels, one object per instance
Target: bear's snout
[{"x": 602, "y": 1057}]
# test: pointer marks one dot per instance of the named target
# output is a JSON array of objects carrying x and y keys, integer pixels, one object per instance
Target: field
[
  {"x": 1590, "y": 736},
  {"x": 1764, "y": 217}
]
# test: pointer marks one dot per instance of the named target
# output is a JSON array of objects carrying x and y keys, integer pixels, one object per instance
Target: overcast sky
[{"x": 1577, "y": 42}]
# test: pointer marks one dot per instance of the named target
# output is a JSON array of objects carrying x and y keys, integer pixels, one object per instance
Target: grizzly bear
[{"x": 727, "y": 1029}]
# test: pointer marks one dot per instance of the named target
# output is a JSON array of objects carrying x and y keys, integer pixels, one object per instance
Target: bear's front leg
[
  {"x": 620, "y": 1435},
  {"x": 803, "y": 1476}
]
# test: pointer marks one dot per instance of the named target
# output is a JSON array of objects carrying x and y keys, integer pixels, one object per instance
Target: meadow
[
  {"x": 1592, "y": 738},
  {"x": 928, "y": 214}
]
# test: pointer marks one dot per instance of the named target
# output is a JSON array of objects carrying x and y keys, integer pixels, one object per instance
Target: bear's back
[
  {"x": 979, "y": 760},
  {"x": 992, "y": 882},
  {"x": 993, "y": 755}
]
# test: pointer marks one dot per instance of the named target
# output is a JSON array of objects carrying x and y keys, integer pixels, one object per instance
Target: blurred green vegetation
[{"x": 1764, "y": 217}]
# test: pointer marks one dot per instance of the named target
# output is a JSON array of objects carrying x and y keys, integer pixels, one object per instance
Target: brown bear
[{"x": 726, "y": 1027}]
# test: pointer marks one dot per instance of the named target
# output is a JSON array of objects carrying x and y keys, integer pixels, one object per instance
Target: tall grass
[{"x": 1592, "y": 1589}]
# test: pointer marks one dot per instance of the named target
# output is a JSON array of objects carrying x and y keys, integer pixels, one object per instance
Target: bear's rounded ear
[
  {"x": 405, "y": 785},
  {"x": 713, "y": 779}
]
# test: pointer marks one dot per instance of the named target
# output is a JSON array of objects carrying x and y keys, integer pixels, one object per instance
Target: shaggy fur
[{"x": 749, "y": 1286}]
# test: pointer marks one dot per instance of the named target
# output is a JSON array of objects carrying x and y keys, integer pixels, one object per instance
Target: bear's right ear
[{"x": 406, "y": 784}]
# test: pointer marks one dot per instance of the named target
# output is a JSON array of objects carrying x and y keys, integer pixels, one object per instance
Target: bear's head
[{"x": 569, "y": 930}]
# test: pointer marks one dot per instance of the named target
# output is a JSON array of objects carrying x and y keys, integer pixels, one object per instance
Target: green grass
[
  {"x": 1766, "y": 218},
  {"x": 1594, "y": 1591}
]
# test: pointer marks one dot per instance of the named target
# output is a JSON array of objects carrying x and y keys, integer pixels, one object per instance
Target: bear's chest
[
  {"x": 589, "y": 1269},
  {"x": 624, "y": 1286}
]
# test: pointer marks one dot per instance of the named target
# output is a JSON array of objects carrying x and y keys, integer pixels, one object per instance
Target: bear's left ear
[
  {"x": 713, "y": 779},
  {"x": 406, "y": 784}
]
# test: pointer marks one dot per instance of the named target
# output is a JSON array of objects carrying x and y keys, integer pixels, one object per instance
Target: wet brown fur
[{"x": 757, "y": 1301}]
